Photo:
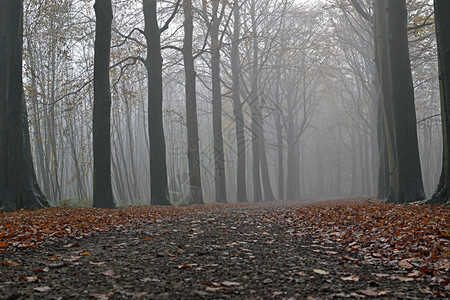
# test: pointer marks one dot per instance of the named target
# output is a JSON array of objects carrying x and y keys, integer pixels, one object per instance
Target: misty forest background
[{"x": 307, "y": 92}]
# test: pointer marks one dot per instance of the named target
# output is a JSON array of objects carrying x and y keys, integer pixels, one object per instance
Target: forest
[
  {"x": 214, "y": 149},
  {"x": 177, "y": 102}
]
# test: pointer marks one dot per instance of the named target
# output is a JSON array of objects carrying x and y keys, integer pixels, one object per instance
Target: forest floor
[{"x": 348, "y": 248}]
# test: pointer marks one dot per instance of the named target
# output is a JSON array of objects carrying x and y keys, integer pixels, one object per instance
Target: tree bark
[
  {"x": 241, "y": 183},
  {"x": 195, "y": 183},
  {"x": 18, "y": 185},
  {"x": 101, "y": 129},
  {"x": 406, "y": 178},
  {"x": 219, "y": 155},
  {"x": 158, "y": 167},
  {"x": 441, "y": 13}
]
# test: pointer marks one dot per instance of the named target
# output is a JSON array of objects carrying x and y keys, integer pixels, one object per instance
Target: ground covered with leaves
[{"x": 285, "y": 250}]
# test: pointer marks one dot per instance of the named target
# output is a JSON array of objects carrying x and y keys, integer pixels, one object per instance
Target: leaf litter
[{"x": 361, "y": 245}]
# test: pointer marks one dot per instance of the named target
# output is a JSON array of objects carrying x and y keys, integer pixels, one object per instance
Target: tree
[
  {"x": 153, "y": 63},
  {"x": 18, "y": 185},
  {"x": 219, "y": 155},
  {"x": 195, "y": 183},
  {"x": 398, "y": 102},
  {"x": 441, "y": 13},
  {"x": 103, "y": 195},
  {"x": 241, "y": 181}
]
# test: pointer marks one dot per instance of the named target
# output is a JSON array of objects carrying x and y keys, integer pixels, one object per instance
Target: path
[{"x": 247, "y": 253}]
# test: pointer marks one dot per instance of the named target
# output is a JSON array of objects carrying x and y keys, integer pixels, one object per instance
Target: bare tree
[
  {"x": 103, "y": 195},
  {"x": 18, "y": 185}
]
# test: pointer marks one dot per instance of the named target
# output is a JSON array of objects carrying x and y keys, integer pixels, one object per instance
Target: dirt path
[{"x": 247, "y": 253}]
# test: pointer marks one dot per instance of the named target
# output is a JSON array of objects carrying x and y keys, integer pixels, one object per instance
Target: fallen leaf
[
  {"x": 31, "y": 279},
  {"x": 230, "y": 283},
  {"x": 403, "y": 278},
  {"x": 44, "y": 270},
  {"x": 101, "y": 296},
  {"x": 383, "y": 293},
  {"x": 42, "y": 289},
  {"x": 213, "y": 289},
  {"x": 351, "y": 278},
  {"x": 381, "y": 275},
  {"x": 3, "y": 245},
  {"x": 109, "y": 273},
  {"x": 53, "y": 258},
  {"x": 85, "y": 253},
  {"x": 372, "y": 292},
  {"x": 10, "y": 264},
  {"x": 71, "y": 245},
  {"x": 148, "y": 238},
  {"x": 405, "y": 264},
  {"x": 321, "y": 272},
  {"x": 147, "y": 279},
  {"x": 97, "y": 263},
  {"x": 182, "y": 267}
]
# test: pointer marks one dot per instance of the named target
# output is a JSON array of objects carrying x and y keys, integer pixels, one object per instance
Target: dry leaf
[
  {"x": 3, "y": 245},
  {"x": 351, "y": 278},
  {"x": 53, "y": 258},
  {"x": 44, "y": 270},
  {"x": 109, "y": 273},
  {"x": 148, "y": 238},
  {"x": 383, "y": 293},
  {"x": 182, "y": 267},
  {"x": 405, "y": 264},
  {"x": 403, "y": 278},
  {"x": 85, "y": 253},
  {"x": 230, "y": 283},
  {"x": 42, "y": 289},
  {"x": 101, "y": 296},
  {"x": 31, "y": 279},
  {"x": 10, "y": 264},
  {"x": 321, "y": 272},
  {"x": 372, "y": 292},
  {"x": 97, "y": 263}
]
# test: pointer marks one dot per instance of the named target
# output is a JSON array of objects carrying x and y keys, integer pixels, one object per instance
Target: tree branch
[{"x": 175, "y": 11}]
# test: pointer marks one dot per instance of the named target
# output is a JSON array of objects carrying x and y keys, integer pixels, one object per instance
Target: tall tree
[
  {"x": 195, "y": 183},
  {"x": 241, "y": 181},
  {"x": 18, "y": 185},
  {"x": 101, "y": 137},
  {"x": 441, "y": 13},
  {"x": 405, "y": 172},
  {"x": 219, "y": 154},
  {"x": 153, "y": 63}
]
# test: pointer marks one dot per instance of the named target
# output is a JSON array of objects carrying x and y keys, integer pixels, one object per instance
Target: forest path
[{"x": 250, "y": 252}]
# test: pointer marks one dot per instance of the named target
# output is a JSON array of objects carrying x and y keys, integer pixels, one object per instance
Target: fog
[{"x": 297, "y": 98}]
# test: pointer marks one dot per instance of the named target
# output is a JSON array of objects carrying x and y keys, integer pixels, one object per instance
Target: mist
[{"x": 286, "y": 100}]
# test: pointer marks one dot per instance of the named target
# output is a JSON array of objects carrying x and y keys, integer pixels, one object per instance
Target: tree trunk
[
  {"x": 241, "y": 183},
  {"x": 158, "y": 167},
  {"x": 195, "y": 183},
  {"x": 18, "y": 185},
  {"x": 101, "y": 133},
  {"x": 441, "y": 13},
  {"x": 219, "y": 155},
  {"x": 406, "y": 178}
]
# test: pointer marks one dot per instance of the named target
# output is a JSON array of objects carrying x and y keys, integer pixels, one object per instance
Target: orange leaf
[
  {"x": 85, "y": 253},
  {"x": 3, "y": 245},
  {"x": 53, "y": 258},
  {"x": 10, "y": 264}
]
